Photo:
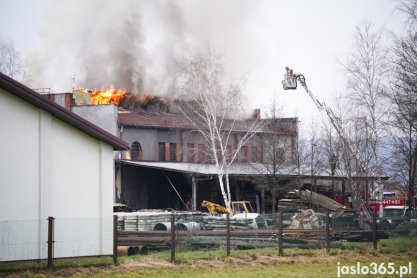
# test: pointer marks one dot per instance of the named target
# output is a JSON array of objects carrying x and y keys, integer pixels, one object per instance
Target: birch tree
[
  {"x": 404, "y": 98},
  {"x": 213, "y": 106},
  {"x": 366, "y": 68}
]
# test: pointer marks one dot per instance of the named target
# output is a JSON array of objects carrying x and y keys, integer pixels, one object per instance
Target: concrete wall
[
  {"x": 147, "y": 138},
  {"x": 49, "y": 168},
  {"x": 150, "y": 137}
]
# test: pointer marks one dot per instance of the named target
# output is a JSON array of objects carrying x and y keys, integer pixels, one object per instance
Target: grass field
[{"x": 243, "y": 263}]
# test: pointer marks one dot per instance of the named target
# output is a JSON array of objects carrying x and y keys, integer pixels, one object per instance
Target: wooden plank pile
[
  {"x": 147, "y": 220},
  {"x": 220, "y": 224},
  {"x": 141, "y": 223}
]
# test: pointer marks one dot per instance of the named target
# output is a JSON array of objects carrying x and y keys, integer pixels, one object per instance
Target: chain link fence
[
  {"x": 142, "y": 232},
  {"x": 25, "y": 240}
]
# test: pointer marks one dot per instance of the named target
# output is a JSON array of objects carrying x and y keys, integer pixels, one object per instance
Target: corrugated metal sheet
[
  {"x": 210, "y": 169},
  {"x": 235, "y": 169}
]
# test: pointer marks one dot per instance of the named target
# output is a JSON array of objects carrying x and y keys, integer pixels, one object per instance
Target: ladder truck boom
[{"x": 290, "y": 83}]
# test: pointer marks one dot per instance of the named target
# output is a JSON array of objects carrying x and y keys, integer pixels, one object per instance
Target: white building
[{"x": 52, "y": 163}]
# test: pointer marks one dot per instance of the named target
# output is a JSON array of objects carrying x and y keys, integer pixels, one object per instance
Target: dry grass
[{"x": 244, "y": 265}]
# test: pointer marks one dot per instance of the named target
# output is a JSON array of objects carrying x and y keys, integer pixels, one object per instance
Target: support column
[
  {"x": 194, "y": 193},
  {"x": 263, "y": 201}
]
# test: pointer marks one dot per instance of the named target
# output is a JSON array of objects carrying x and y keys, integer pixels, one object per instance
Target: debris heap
[{"x": 307, "y": 220}]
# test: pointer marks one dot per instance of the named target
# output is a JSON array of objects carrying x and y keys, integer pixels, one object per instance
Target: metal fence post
[
  {"x": 50, "y": 241},
  {"x": 228, "y": 234},
  {"x": 327, "y": 232},
  {"x": 115, "y": 239},
  {"x": 280, "y": 236},
  {"x": 374, "y": 233},
  {"x": 173, "y": 237},
  {"x": 137, "y": 222}
]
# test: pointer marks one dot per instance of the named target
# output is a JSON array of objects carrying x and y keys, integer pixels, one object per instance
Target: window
[
  {"x": 190, "y": 152},
  {"x": 253, "y": 154},
  {"x": 201, "y": 153},
  {"x": 243, "y": 154},
  {"x": 280, "y": 155},
  {"x": 228, "y": 153},
  {"x": 257, "y": 155},
  {"x": 161, "y": 151},
  {"x": 136, "y": 151},
  {"x": 172, "y": 152}
]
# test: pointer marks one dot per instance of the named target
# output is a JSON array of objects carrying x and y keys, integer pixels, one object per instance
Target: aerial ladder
[{"x": 290, "y": 83}]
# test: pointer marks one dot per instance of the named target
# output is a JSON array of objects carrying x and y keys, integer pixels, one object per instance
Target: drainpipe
[
  {"x": 121, "y": 137},
  {"x": 118, "y": 183}
]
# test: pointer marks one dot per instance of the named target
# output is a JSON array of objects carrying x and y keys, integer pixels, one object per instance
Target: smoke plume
[{"x": 134, "y": 44}]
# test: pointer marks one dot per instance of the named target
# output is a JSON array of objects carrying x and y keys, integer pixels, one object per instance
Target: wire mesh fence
[
  {"x": 46, "y": 239},
  {"x": 75, "y": 237},
  {"x": 23, "y": 240},
  {"x": 144, "y": 231},
  {"x": 304, "y": 230}
]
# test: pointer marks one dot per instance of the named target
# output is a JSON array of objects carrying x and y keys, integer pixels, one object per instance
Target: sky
[{"x": 102, "y": 42}]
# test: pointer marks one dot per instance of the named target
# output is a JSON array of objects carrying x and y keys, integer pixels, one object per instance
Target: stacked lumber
[
  {"x": 286, "y": 205},
  {"x": 147, "y": 220},
  {"x": 220, "y": 224},
  {"x": 140, "y": 223}
]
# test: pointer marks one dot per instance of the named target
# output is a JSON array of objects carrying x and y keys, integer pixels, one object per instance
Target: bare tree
[
  {"x": 404, "y": 98},
  {"x": 367, "y": 67},
  {"x": 409, "y": 9},
  {"x": 212, "y": 105},
  {"x": 333, "y": 158},
  {"x": 11, "y": 63},
  {"x": 279, "y": 156}
]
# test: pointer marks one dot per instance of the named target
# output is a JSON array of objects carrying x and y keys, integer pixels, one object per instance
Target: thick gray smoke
[{"x": 134, "y": 44}]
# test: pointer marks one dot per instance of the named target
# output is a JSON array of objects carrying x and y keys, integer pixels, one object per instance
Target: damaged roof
[
  {"x": 177, "y": 121},
  {"x": 61, "y": 113}
]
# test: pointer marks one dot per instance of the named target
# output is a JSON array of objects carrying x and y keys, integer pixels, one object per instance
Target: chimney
[
  {"x": 257, "y": 114},
  {"x": 69, "y": 101},
  {"x": 63, "y": 99}
]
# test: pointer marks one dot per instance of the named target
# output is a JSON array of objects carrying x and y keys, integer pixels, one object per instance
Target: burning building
[{"x": 167, "y": 154}]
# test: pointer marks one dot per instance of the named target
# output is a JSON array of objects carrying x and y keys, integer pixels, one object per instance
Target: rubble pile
[{"x": 306, "y": 220}]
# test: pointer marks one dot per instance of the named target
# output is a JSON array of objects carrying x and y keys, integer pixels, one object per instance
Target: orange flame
[{"x": 110, "y": 96}]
